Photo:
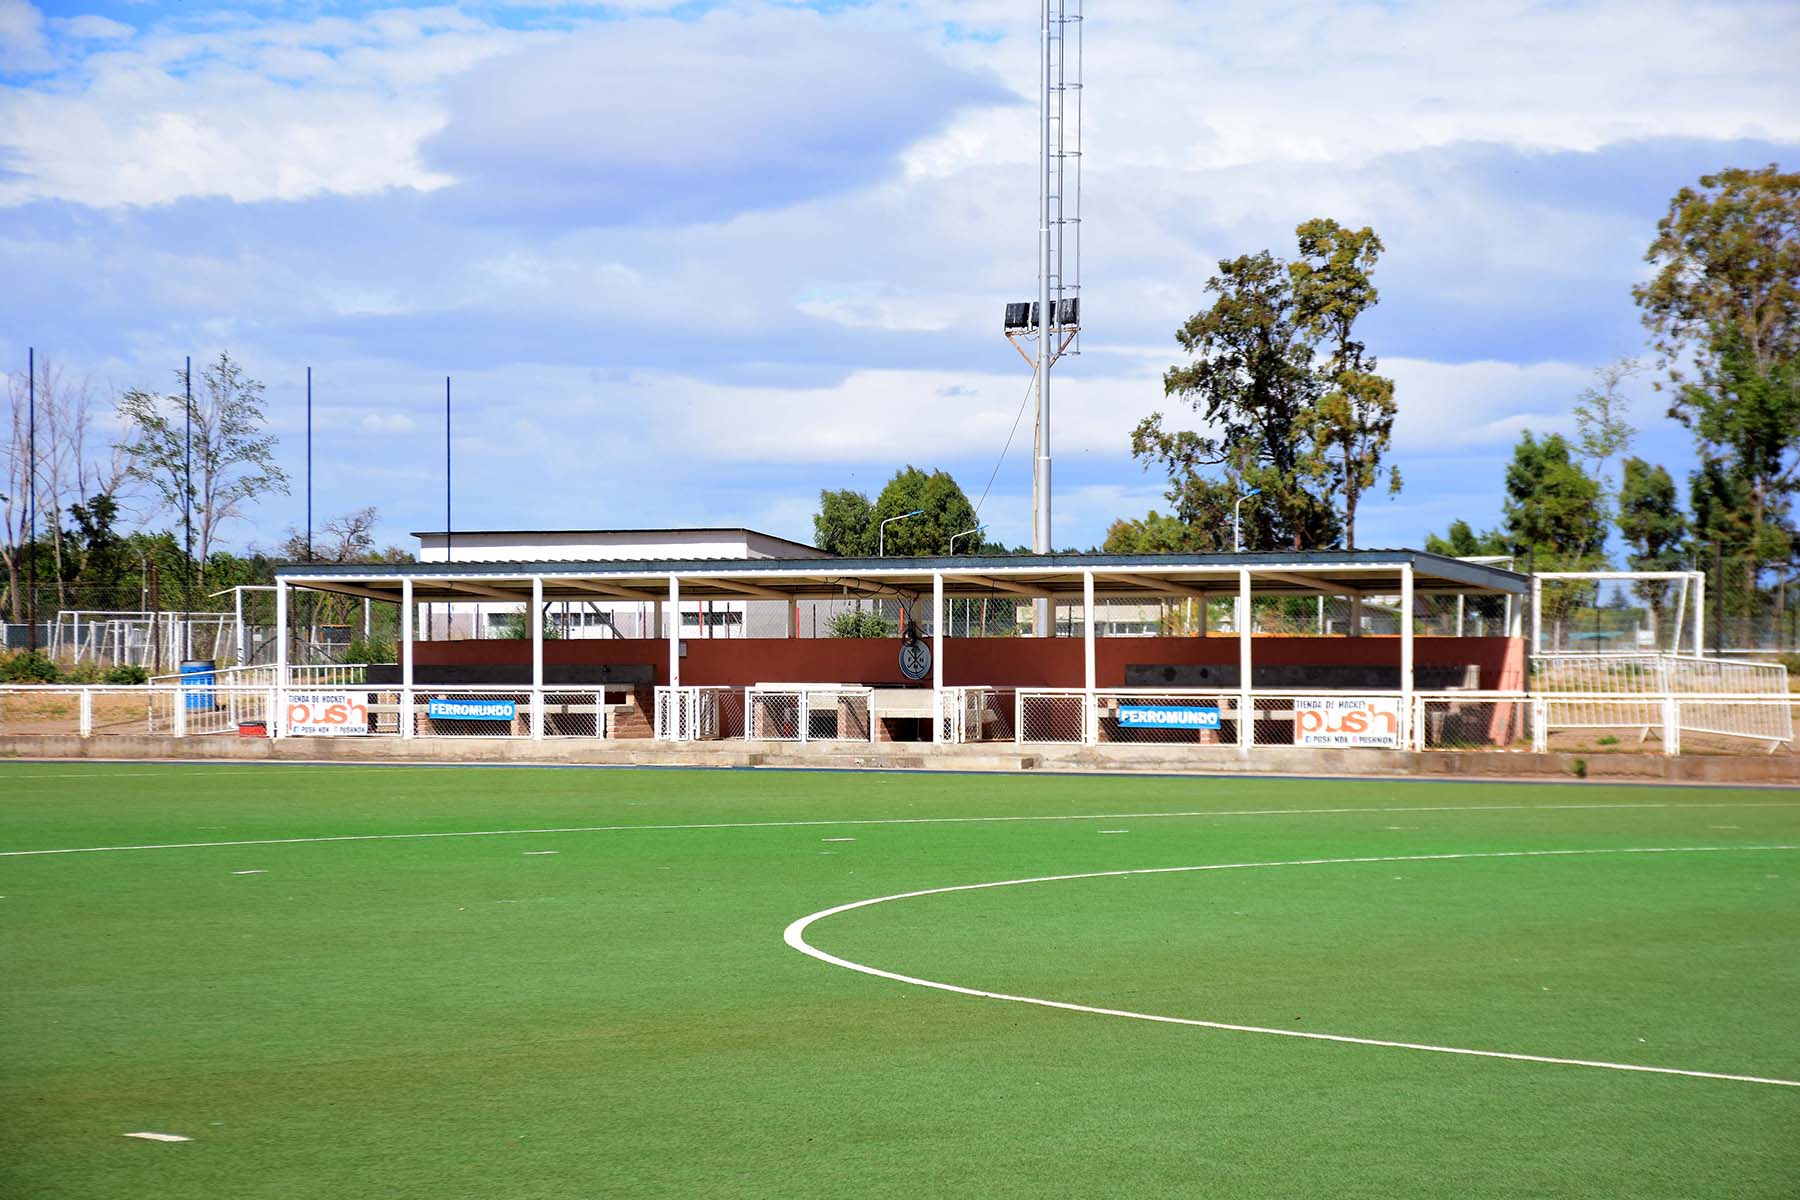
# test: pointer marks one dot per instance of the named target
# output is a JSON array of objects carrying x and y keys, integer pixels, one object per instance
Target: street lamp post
[
  {"x": 964, "y": 533},
  {"x": 881, "y": 533},
  {"x": 1237, "y": 532}
]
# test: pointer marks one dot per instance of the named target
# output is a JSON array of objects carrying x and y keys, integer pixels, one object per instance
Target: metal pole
[
  {"x": 1041, "y": 540},
  {"x": 309, "y": 545},
  {"x": 31, "y": 499},
  {"x": 1040, "y": 508},
  {"x": 187, "y": 492},
  {"x": 448, "y": 525}
]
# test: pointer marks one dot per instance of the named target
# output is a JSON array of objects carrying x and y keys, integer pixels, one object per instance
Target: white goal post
[{"x": 1694, "y": 581}]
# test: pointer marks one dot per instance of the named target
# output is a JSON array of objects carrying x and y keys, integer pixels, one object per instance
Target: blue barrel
[{"x": 197, "y": 681}]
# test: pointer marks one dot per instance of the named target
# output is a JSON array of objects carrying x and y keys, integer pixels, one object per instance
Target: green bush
[
  {"x": 80, "y": 673},
  {"x": 28, "y": 667},
  {"x": 374, "y": 650},
  {"x": 126, "y": 675},
  {"x": 852, "y": 624}
]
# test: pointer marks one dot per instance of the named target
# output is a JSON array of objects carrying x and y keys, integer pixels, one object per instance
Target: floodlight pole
[
  {"x": 1040, "y": 476},
  {"x": 30, "y": 500}
]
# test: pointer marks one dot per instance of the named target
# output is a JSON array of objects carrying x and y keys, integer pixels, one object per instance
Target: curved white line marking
[
  {"x": 837, "y": 821},
  {"x": 795, "y": 936}
]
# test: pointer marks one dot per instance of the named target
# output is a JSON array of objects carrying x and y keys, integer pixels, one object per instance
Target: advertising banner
[
  {"x": 1348, "y": 721},
  {"x": 328, "y": 714},
  {"x": 471, "y": 710},
  {"x": 1167, "y": 716}
]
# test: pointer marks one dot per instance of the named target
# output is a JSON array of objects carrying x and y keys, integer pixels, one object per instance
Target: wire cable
[{"x": 1013, "y": 432}]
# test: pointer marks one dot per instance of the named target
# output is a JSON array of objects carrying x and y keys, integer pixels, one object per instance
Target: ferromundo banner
[
  {"x": 471, "y": 710},
  {"x": 1167, "y": 716},
  {"x": 327, "y": 714}
]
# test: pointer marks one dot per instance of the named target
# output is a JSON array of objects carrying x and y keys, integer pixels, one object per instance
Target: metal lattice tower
[{"x": 1054, "y": 321}]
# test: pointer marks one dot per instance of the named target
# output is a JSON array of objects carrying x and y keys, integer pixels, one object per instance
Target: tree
[
  {"x": 1252, "y": 383},
  {"x": 1727, "y": 257},
  {"x": 1653, "y": 527},
  {"x": 1461, "y": 541},
  {"x": 348, "y": 537},
  {"x": 1352, "y": 423},
  {"x": 68, "y": 469},
  {"x": 1601, "y": 431},
  {"x": 1724, "y": 310},
  {"x": 1157, "y": 534},
  {"x": 848, "y": 524},
  {"x": 844, "y": 524},
  {"x": 1551, "y": 511},
  {"x": 1552, "y": 517},
  {"x": 233, "y": 457}
]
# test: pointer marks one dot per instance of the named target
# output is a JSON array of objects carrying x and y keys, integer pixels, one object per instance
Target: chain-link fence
[{"x": 843, "y": 714}]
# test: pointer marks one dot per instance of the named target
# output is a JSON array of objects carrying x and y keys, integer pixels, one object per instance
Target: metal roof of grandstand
[{"x": 1278, "y": 572}]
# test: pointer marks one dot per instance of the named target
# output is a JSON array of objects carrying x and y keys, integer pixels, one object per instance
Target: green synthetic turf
[{"x": 459, "y": 1016}]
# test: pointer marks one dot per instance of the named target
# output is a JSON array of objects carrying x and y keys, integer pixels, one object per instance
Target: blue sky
[{"x": 689, "y": 264}]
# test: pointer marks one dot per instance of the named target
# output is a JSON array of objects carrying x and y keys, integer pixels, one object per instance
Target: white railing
[
  {"x": 696, "y": 714},
  {"x": 1655, "y": 673},
  {"x": 1435, "y": 720},
  {"x": 975, "y": 714},
  {"x": 1443, "y": 720},
  {"x": 264, "y": 675}
]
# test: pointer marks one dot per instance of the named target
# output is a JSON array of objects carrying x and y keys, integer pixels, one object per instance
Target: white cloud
[
  {"x": 90, "y": 27},
  {"x": 1447, "y": 406},
  {"x": 22, "y": 45}
]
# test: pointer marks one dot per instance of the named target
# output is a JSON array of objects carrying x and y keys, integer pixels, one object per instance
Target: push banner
[
  {"x": 1167, "y": 716},
  {"x": 1348, "y": 721},
  {"x": 328, "y": 714},
  {"x": 471, "y": 710}
]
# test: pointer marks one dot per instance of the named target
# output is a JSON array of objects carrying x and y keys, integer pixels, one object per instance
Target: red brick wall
[{"x": 1025, "y": 662}]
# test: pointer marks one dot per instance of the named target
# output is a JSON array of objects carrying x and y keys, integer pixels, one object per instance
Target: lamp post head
[
  {"x": 917, "y": 512},
  {"x": 1250, "y": 493}
]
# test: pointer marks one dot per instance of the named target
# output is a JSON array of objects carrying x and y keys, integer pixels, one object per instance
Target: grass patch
[{"x": 471, "y": 1016}]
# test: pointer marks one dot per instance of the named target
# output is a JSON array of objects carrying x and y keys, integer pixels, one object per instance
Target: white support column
[
  {"x": 1246, "y": 701},
  {"x": 1090, "y": 724},
  {"x": 1459, "y": 614},
  {"x": 674, "y": 632},
  {"x": 537, "y": 658},
  {"x": 1406, "y": 647},
  {"x": 405, "y": 716},
  {"x": 368, "y": 622},
  {"x": 279, "y": 729},
  {"x": 1355, "y": 629},
  {"x": 793, "y": 617},
  {"x": 1200, "y": 603},
  {"x": 87, "y": 712},
  {"x": 237, "y": 607},
  {"x": 937, "y": 657}
]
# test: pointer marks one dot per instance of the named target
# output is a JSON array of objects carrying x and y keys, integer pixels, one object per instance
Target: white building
[{"x": 598, "y": 618}]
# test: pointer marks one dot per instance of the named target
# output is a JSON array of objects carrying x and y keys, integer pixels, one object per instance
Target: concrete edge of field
[{"x": 1270, "y": 760}]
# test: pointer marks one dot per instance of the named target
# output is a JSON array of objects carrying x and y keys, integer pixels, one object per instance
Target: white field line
[
  {"x": 159, "y": 1137},
  {"x": 795, "y": 936},
  {"x": 846, "y": 821}
]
